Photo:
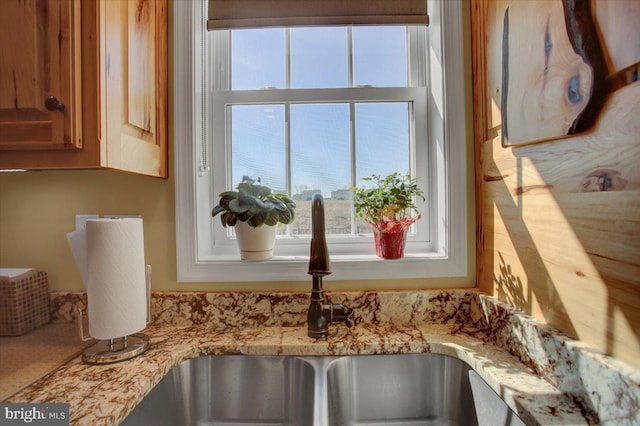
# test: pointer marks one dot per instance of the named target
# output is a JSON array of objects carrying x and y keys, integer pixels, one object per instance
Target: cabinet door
[
  {"x": 39, "y": 60},
  {"x": 134, "y": 82}
]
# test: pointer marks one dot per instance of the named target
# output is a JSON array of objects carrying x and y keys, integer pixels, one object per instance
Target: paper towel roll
[{"x": 115, "y": 277}]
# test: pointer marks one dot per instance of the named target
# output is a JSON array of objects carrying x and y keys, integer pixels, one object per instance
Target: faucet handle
[
  {"x": 349, "y": 322},
  {"x": 349, "y": 319}
]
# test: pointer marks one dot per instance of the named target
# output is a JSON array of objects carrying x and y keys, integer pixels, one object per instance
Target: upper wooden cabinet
[
  {"x": 106, "y": 63},
  {"x": 39, "y": 75}
]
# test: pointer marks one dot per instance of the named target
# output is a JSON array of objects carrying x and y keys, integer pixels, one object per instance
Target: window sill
[{"x": 343, "y": 267}]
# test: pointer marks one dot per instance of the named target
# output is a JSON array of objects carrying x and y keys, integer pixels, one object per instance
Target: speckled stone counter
[{"x": 544, "y": 376}]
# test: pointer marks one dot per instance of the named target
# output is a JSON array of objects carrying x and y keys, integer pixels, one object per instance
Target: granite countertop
[{"x": 460, "y": 323}]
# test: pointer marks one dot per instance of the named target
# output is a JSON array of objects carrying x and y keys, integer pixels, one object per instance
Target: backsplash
[
  {"x": 221, "y": 310},
  {"x": 250, "y": 309}
]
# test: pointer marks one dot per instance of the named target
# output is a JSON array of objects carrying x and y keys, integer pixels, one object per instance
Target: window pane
[
  {"x": 319, "y": 57},
  {"x": 380, "y": 56},
  {"x": 258, "y": 144},
  {"x": 258, "y": 59},
  {"x": 382, "y": 143},
  {"x": 382, "y": 139},
  {"x": 320, "y": 162}
]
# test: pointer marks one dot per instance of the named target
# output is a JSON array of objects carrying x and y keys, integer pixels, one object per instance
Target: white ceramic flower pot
[{"x": 255, "y": 243}]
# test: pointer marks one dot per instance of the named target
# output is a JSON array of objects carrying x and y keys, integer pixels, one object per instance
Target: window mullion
[
  {"x": 287, "y": 144},
  {"x": 287, "y": 149},
  {"x": 350, "y": 54},
  {"x": 352, "y": 126},
  {"x": 287, "y": 115},
  {"x": 288, "y": 58},
  {"x": 360, "y": 94},
  {"x": 352, "y": 151}
]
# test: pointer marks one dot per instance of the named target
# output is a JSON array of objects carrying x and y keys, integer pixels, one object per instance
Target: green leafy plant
[
  {"x": 254, "y": 204},
  {"x": 390, "y": 199}
]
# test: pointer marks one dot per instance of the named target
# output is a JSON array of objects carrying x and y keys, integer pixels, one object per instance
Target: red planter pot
[{"x": 391, "y": 237}]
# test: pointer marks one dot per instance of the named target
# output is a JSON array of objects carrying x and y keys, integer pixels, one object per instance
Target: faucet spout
[
  {"x": 321, "y": 314},
  {"x": 319, "y": 264}
]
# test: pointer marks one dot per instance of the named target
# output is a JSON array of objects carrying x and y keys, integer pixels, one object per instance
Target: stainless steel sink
[
  {"x": 391, "y": 390},
  {"x": 416, "y": 389},
  {"x": 231, "y": 390}
]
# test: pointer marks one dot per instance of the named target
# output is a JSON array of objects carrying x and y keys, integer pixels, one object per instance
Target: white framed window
[
  {"x": 229, "y": 119},
  {"x": 315, "y": 109}
]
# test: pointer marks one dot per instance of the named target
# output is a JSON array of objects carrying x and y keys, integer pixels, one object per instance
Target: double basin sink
[{"x": 412, "y": 389}]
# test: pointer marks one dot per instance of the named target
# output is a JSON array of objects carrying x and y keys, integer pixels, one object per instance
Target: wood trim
[
  {"x": 75, "y": 69},
  {"x": 480, "y": 123},
  {"x": 162, "y": 86}
]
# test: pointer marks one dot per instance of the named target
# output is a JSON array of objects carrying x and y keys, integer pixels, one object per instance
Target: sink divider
[{"x": 320, "y": 366}]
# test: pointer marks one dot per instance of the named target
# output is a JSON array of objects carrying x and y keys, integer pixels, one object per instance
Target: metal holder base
[{"x": 116, "y": 350}]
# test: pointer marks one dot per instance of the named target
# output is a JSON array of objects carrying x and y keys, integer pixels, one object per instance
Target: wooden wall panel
[
  {"x": 618, "y": 28},
  {"x": 559, "y": 222}
]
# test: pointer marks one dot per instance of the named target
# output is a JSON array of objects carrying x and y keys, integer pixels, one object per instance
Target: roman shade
[{"x": 226, "y": 14}]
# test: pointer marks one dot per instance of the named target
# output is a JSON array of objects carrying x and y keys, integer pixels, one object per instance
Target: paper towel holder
[{"x": 119, "y": 348}]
